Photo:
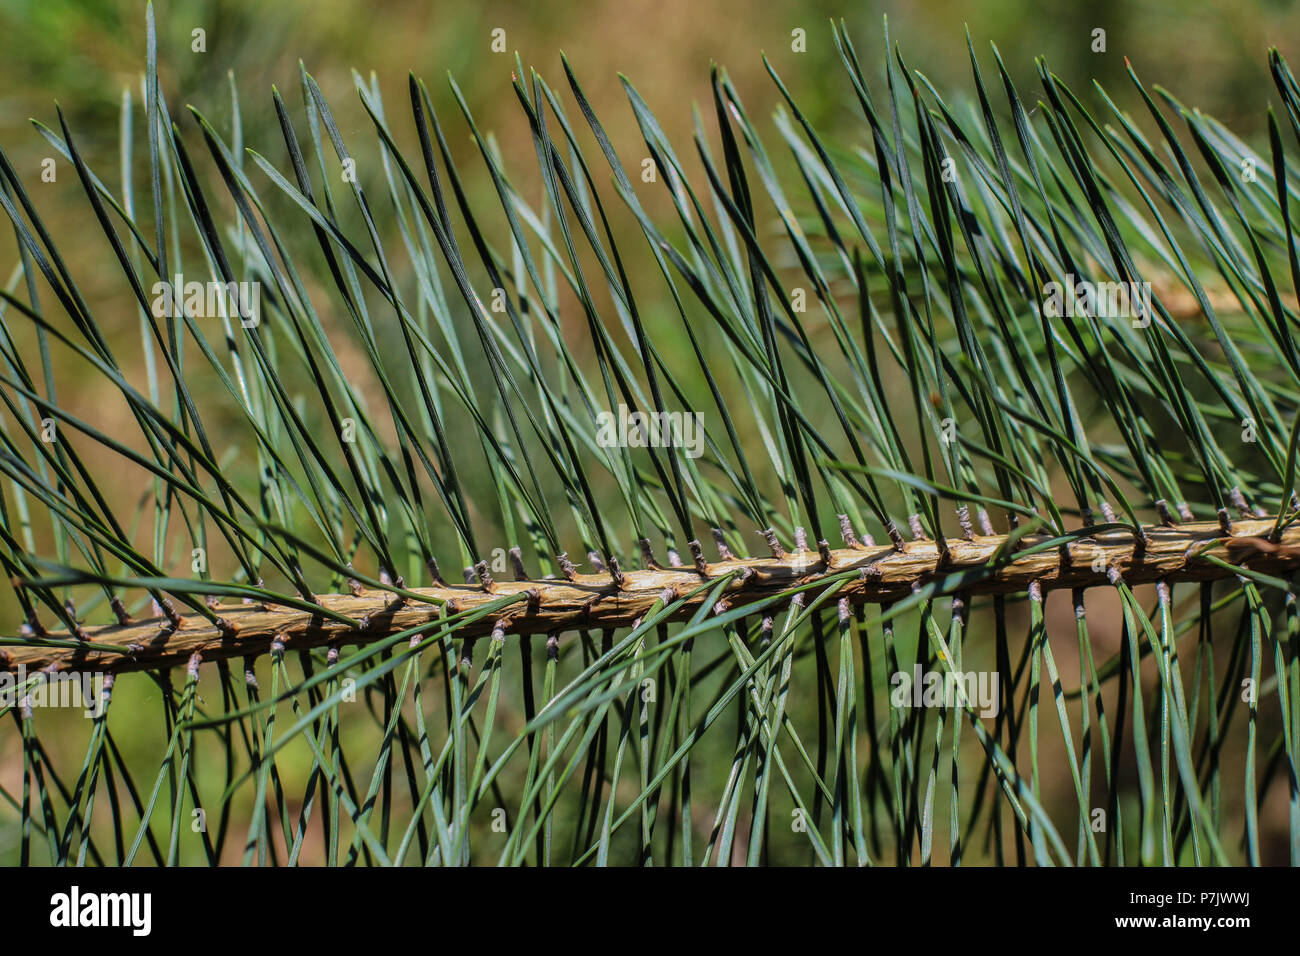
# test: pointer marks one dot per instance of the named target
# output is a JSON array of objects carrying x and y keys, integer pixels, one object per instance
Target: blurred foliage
[{"x": 83, "y": 51}]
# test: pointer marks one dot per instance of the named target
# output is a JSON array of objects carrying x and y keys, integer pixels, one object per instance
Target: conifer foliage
[{"x": 925, "y": 497}]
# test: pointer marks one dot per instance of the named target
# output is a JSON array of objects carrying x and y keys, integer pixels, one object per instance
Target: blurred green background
[{"x": 83, "y": 53}]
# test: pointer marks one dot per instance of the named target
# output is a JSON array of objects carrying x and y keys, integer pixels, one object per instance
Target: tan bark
[{"x": 1172, "y": 554}]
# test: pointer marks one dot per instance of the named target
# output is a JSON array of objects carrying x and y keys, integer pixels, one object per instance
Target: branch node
[
  {"x": 846, "y": 532},
  {"x": 435, "y": 575},
  {"x": 1166, "y": 516},
  {"x": 616, "y": 573},
  {"x": 895, "y": 537},
  {"x": 724, "y": 552},
  {"x": 773, "y": 544},
  {"x": 517, "y": 564},
  {"x": 119, "y": 611},
  {"x": 697, "y": 558},
  {"x": 1239, "y": 502},
  {"x": 485, "y": 577},
  {"x": 169, "y": 610},
  {"x": 963, "y": 519}
]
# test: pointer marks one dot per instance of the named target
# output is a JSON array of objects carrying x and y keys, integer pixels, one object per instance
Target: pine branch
[
  {"x": 1020, "y": 311},
  {"x": 875, "y": 575}
]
